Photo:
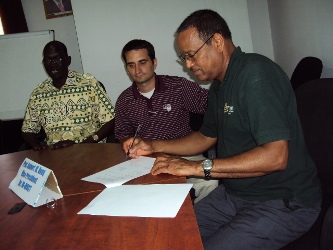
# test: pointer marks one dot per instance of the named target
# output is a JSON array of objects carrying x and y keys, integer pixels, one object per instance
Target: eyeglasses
[
  {"x": 49, "y": 61},
  {"x": 190, "y": 57}
]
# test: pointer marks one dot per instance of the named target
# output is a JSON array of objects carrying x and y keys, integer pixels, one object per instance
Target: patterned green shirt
[{"x": 76, "y": 111}]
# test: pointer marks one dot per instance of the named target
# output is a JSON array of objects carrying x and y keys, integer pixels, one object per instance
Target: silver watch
[{"x": 207, "y": 165}]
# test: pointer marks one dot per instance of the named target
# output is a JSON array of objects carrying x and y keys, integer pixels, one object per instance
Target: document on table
[
  {"x": 156, "y": 200},
  {"x": 123, "y": 172}
]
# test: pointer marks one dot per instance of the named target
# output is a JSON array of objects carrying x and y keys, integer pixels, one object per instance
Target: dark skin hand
[
  {"x": 62, "y": 144},
  {"x": 39, "y": 145}
]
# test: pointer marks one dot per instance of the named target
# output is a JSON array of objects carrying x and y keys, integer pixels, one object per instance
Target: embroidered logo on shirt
[
  {"x": 228, "y": 109},
  {"x": 167, "y": 107}
]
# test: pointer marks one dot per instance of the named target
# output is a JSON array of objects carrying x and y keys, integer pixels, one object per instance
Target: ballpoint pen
[{"x": 135, "y": 135}]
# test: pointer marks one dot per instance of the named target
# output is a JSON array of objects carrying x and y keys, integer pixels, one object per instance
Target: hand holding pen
[{"x": 135, "y": 135}]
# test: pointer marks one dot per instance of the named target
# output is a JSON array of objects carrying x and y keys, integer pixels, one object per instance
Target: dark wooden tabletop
[{"x": 63, "y": 228}]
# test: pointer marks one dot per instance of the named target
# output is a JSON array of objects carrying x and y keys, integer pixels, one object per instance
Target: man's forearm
[
  {"x": 192, "y": 144},
  {"x": 103, "y": 132},
  {"x": 29, "y": 138}
]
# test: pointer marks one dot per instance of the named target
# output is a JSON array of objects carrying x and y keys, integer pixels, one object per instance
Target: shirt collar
[
  {"x": 50, "y": 81},
  {"x": 159, "y": 87},
  {"x": 233, "y": 57}
]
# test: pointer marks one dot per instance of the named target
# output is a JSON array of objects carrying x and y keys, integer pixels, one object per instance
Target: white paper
[
  {"x": 123, "y": 172},
  {"x": 156, "y": 200}
]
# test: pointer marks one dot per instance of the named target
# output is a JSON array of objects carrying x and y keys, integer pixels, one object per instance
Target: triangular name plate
[{"x": 35, "y": 184}]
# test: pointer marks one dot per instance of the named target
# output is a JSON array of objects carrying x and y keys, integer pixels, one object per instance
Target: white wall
[
  {"x": 283, "y": 30},
  {"x": 302, "y": 28},
  {"x": 105, "y": 29},
  {"x": 260, "y": 27},
  {"x": 63, "y": 27}
]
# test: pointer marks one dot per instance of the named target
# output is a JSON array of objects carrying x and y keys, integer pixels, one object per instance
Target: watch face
[{"x": 207, "y": 164}]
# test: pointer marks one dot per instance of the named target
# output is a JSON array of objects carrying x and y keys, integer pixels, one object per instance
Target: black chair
[
  {"x": 111, "y": 138},
  {"x": 315, "y": 109},
  {"x": 309, "y": 68}
]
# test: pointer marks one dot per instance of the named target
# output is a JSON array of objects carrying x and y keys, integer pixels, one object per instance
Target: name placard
[{"x": 35, "y": 184}]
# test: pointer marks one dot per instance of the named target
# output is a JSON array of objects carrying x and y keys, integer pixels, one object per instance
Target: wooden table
[{"x": 63, "y": 228}]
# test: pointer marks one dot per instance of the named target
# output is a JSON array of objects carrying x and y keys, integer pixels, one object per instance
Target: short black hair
[
  {"x": 55, "y": 45},
  {"x": 139, "y": 44},
  {"x": 207, "y": 22}
]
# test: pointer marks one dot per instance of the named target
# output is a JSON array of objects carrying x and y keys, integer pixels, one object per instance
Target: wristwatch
[
  {"x": 207, "y": 165},
  {"x": 95, "y": 137}
]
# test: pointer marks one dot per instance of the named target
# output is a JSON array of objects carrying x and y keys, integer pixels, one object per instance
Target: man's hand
[
  {"x": 137, "y": 147},
  {"x": 176, "y": 166},
  {"x": 62, "y": 144},
  {"x": 39, "y": 145}
]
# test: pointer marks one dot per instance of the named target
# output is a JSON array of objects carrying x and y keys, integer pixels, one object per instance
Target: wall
[
  {"x": 63, "y": 27},
  {"x": 117, "y": 25},
  {"x": 282, "y": 30},
  {"x": 260, "y": 28},
  {"x": 302, "y": 28}
]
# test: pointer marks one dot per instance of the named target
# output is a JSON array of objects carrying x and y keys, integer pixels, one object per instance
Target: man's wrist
[{"x": 152, "y": 146}]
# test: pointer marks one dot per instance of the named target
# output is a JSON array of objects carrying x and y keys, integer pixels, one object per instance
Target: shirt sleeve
[
  {"x": 104, "y": 110},
  {"x": 31, "y": 121},
  {"x": 123, "y": 128},
  {"x": 194, "y": 96},
  {"x": 267, "y": 107}
]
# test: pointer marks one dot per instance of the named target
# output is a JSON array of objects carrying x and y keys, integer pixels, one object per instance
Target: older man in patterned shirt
[{"x": 69, "y": 106}]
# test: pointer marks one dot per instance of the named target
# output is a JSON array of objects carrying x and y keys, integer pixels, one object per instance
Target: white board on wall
[{"x": 21, "y": 70}]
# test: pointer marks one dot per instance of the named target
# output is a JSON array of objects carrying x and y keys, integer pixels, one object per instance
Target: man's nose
[
  {"x": 137, "y": 69},
  {"x": 189, "y": 63}
]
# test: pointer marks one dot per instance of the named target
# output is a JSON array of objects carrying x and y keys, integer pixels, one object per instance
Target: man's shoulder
[
  {"x": 72, "y": 74},
  {"x": 173, "y": 79},
  {"x": 41, "y": 87},
  {"x": 178, "y": 82},
  {"x": 254, "y": 60},
  {"x": 126, "y": 94},
  {"x": 76, "y": 78}
]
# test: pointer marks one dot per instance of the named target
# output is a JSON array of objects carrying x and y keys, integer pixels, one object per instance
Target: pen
[{"x": 135, "y": 135}]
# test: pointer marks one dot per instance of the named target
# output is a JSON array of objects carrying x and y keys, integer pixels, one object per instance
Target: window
[{"x": 1, "y": 28}]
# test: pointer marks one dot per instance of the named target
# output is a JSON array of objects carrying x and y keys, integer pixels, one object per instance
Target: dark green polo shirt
[{"x": 254, "y": 105}]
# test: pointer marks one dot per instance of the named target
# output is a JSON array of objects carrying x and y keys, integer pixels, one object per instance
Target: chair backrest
[
  {"x": 309, "y": 68},
  {"x": 315, "y": 109}
]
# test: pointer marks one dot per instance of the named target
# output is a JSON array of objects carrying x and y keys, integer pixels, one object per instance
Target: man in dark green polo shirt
[{"x": 270, "y": 194}]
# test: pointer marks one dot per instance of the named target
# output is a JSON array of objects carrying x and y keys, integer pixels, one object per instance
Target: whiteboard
[{"x": 21, "y": 70}]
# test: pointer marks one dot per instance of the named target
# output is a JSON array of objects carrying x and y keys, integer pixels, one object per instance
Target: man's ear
[
  {"x": 69, "y": 60},
  {"x": 155, "y": 63},
  {"x": 218, "y": 42}
]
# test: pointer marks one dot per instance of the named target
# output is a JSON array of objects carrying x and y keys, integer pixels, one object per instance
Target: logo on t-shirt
[
  {"x": 167, "y": 107},
  {"x": 228, "y": 109}
]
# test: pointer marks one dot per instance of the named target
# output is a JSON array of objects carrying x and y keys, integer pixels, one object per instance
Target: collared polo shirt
[
  {"x": 254, "y": 105},
  {"x": 166, "y": 115}
]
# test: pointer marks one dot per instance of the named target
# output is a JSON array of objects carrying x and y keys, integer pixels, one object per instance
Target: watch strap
[{"x": 207, "y": 174}]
